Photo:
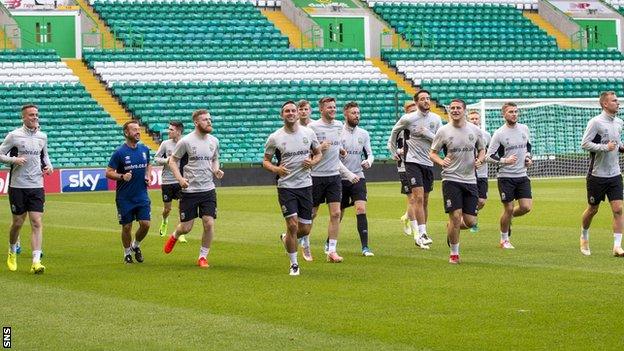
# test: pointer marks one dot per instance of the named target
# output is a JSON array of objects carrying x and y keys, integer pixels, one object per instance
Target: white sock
[
  {"x": 585, "y": 233},
  {"x": 36, "y": 255},
  {"x": 175, "y": 235},
  {"x": 422, "y": 229},
  {"x": 13, "y": 248},
  {"x": 135, "y": 244},
  {"x": 305, "y": 241},
  {"x": 293, "y": 257},
  {"x": 504, "y": 236},
  {"x": 203, "y": 252},
  {"x": 128, "y": 250},
  {"x": 414, "y": 226},
  {"x": 455, "y": 249},
  {"x": 332, "y": 245},
  {"x": 617, "y": 239}
]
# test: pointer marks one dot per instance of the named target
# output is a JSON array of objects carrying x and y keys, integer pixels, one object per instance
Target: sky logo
[{"x": 76, "y": 180}]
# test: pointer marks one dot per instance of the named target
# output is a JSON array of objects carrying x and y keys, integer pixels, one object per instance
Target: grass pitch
[{"x": 543, "y": 295}]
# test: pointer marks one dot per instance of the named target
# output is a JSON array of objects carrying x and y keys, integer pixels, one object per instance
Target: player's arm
[
  {"x": 45, "y": 159},
  {"x": 480, "y": 151},
  {"x": 160, "y": 157},
  {"x": 591, "y": 140},
  {"x": 269, "y": 151},
  {"x": 347, "y": 174},
  {"x": 496, "y": 151},
  {"x": 216, "y": 166},
  {"x": 111, "y": 170},
  {"x": 400, "y": 125},
  {"x": 148, "y": 175},
  {"x": 368, "y": 152},
  {"x": 434, "y": 152},
  {"x": 5, "y": 147}
]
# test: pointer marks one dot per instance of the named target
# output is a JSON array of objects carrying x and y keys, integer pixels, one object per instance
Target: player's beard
[
  {"x": 353, "y": 124},
  {"x": 206, "y": 130}
]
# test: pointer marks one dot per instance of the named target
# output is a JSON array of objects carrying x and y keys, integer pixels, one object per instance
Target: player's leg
[
  {"x": 165, "y": 218},
  {"x": 36, "y": 240},
  {"x": 522, "y": 192},
  {"x": 333, "y": 231},
  {"x": 524, "y": 207},
  {"x": 189, "y": 210},
  {"x": 362, "y": 226},
  {"x": 126, "y": 240},
  {"x": 452, "y": 232},
  {"x": 16, "y": 225},
  {"x": 405, "y": 218},
  {"x": 427, "y": 181},
  {"x": 505, "y": 224},
  {"x": 616, "y": 209},
  {"x": 208, "y": 214},
  {"x": 290, "y": 242},
  {"x": 305, "y": 205},
  {"x": 143, "y": 216}
]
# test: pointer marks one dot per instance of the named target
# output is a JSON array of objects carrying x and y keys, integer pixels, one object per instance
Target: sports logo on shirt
[
  {"x": 360, "y": 141},
  {"x": 470, "y": 137},
  {"x": 144, "y": 156},
  {"x": 305, "y": 141}
]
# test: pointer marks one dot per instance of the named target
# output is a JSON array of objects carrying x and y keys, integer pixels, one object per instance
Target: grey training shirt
[
  {"x": 162, "y": 156},
  {"x": 198, "y": 153},
  {"x": 291, "y": 150},
  {"x": 600, "y": 130},
  {"x": 422, "y": 129},
  {"x": 356, "y": 142},
  {"x": 31, "y": 145},
  {"x": 508, "y": 141},
  {"x": 461, "y": 145},
  {"x": 330, "y": 163}
]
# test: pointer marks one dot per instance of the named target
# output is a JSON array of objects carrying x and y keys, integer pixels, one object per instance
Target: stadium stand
[
  {"x": 481, "y": 50},
  {"x": 79, "y": 132},
  {"x": 229, "y": 58}
]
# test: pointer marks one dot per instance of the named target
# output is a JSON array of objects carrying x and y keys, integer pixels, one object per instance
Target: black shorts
[
  {"x": 462, "y": 196},
  {"x": 296, "y": 202},
  {"x": 353, "y": 192},
  {"x": 171, "y": 192},
  {"x": 24, "y": 200},
  {"x": 326, "y": 190},
  {"x": 405, "y": 186},
  {"x": 419, "y": 176},
  {"x": 598, "y": 187},
  {"x": 193, "y": 205},
  {"x": 511, "y": 189},
  {"x": 482, "y": 187}
]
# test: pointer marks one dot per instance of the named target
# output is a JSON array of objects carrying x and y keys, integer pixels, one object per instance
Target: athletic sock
[
  {"x": 585, "y": 233},
  {"x": 504, "y": 236},
  {"x": 617, "y": 239},
  {"x": 422, "y": 229},
  {"x": 293, "y": 258},
  {"x": 305, "y": 241},
  {"x": 36, "y": 255},
  {"x": 414, "y": 226},
  {"x": 12, "y": 248},
  {"x": 203, "y": 252},
  {"x": 128, "y": 250},
  {"x": 175, "y": 234},
  {"x": 135, "y": 244},
  {"x": 455, "y": 249},
  {"x": 362, "y": 226},
  {"x": 332, "y": 245}
]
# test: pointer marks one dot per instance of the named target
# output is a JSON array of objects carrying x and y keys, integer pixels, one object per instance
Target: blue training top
[{"x": 124, "y": 160}]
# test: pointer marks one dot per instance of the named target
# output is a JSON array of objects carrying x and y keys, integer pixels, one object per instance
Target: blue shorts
[{"x": 127, "y": 212}]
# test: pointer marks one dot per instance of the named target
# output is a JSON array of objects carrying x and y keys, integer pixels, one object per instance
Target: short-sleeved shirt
[
  {"x": 31, "y": 145},
  {"x": 329, "y": 164},
  {"x": 164, "y": 151},
  {"x": 126, "y": 159},
  {"x": 356, "y": 142},
  {"x": 461, "y": 145},
  {"x": 508, "y": 141},
  {"x": 422, "y": 128},
  {"x": 292, "y": 149},
  {"x": 599, "y": 132},
  {"x": 482, "y": 172},
  {"x": 197, "y": 154}
]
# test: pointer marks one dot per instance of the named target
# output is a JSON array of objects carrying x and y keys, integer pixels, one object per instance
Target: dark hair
[
  {"x": 27, "y": 106},
  {"x": 289, "y": 102},
  {"x": 508, "y": 104},
  {"x": 349, "y": 105},
  {"x": 462, "y": 102},
  {"x": 179, "y": 125},
  {"x": 132, "y": 121},
  {"x": 198, "y": 113},
  {"x": 421, "y": 91},
  {"x": 325, "y": 100}
]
